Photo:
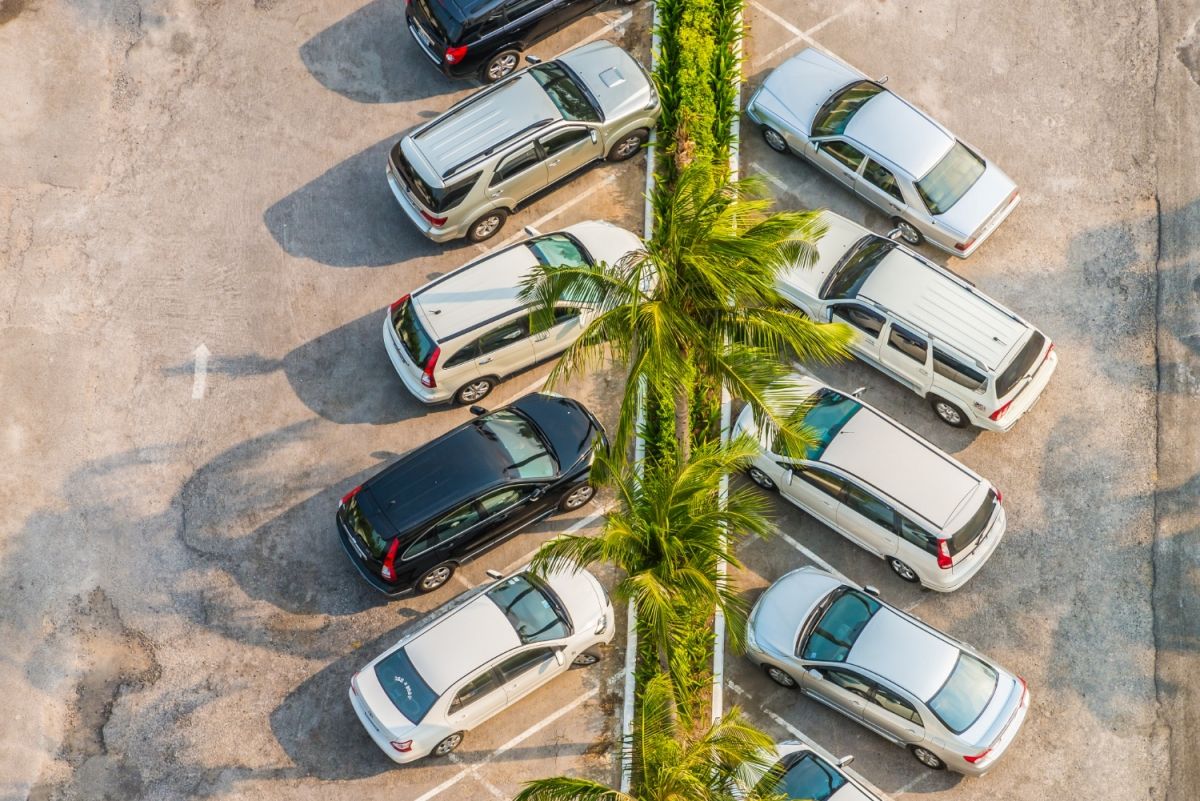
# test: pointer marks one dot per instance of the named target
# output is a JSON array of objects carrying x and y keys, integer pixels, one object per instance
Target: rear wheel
[
  {"x": 449, "y": 744},
  {"x": 774, "y": 140},
  {"x": 908, "y": 231},
  {"x": 577, "y": 497},
  {"x": 629, "y": 146},
  {"x": 780, "y": 677},
  {"x": 474, "y": 391},
  {"x": 761, "y": 479},
  {"x": 949, "y": 413},
  {"x": 902, "y": 570},
  {"x": 435, "y": 577},
  {"x": 500, "y": 66},
  {"x": 486, "y": 226},
  {"x": 927, "y": 757}
]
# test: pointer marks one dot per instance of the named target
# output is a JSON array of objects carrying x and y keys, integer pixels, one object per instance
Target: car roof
[
  {"x": 899, "y": 133},
  {"x": 902, "y": 465},
  {"x": 905, "y": 653},
  {"x": 951, "y": 311},
  {"x": 480, "y": 291},
  {"x": 461, "y": 642}
]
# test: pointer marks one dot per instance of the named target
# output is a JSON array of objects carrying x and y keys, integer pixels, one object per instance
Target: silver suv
[{"x": 464, "y": 172}]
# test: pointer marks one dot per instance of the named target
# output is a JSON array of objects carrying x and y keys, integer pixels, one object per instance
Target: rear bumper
[
  {"x": 1002, "y": 742},
  {"x": 963, "y": 572},
  {"x": 375, "y": 581},
  {"x": 381, "y": 738},
  {"x": 414, "y": 215},
  {"x": 982, "y": 236},
  {"x": 403, "y": 369},
  {"x": 1026, "y": 400}
]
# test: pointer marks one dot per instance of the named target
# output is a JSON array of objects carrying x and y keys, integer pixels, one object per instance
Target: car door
[
  {"x": 568, "y": 149},
  {"x": 867, "y": 520},
  {"x": 905, "y": 355},
  {"x": 868, "y": 325},
  {"x": 892, "y": 715},
  {"x": 840, "y": 159},
  {"x": 531, "y": 20},
  {"x": 476, "y": 700},
  {"x": 445, "y": 538},
  {"x": 815, "y": 490},
  {"x": 565, "y": 329},
  {"x": 504, "y": 512},
  {"x": 878, "y": 186},
  {"x": 524, "y": 672},
  {"x": 506, "y": 349},
  {"x": 838, "y": 688},
  {"x": 517, "y": 176}
]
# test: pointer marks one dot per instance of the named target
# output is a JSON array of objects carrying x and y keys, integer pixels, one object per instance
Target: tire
[
  {"x": 927, "y": 757},
  {"x": 908, "y": 232},
  {"x": 577, "y": 497},
  {"x": 626, "y": 2},
  {"x": 475, "y": 391},
  {"x": 447, "y": 745},
  {"x": 585, "y": 658},
  {"x": 775, "y": 140},
  {"x": 903, "y": 571},
  {"x": 780, "y": 677},
  {"x": 761, "y": 479},
  {"x": 629, "y": 146},
  {"x": 949, "y": 413},
  {"x": 487, "y": 226},
  {"x": 500, "y": 66},
  {"x": 435, "y": 577}
]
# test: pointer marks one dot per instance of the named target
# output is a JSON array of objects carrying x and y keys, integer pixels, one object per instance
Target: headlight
[
  {"x": 602, "y": 623},
  {"x": 751, "y": 642}
]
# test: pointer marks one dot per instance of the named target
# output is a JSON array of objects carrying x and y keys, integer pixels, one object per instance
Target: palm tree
[
  {"x": 674, "y": 764},
  {"x": 698, "y": 300}
]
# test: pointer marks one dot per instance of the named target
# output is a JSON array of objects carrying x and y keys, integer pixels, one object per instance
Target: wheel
[
  {"x": 449, "y": 744},
  {"x": 902, "y": 570},
  {"x": 435, "y": 577},
  {"x": 927, "y": 757},
  {"x": 576, "y": 497},
  {"x": 475, "y": 391},
  {"x": 586, "y": 658},
  {"x": 761, "y": 479},
  {"x": 780, "y": 677},
  {"x": 948, "y": 412},
  {"x": 500, "y": 66},
  {"x": 775, "y": 140},
  {"x": 629, "y": 146},
  {"x": 486, "y": 226},
  {"x": 908, "y": 232}
]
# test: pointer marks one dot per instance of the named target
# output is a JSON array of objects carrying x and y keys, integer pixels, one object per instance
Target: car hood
[
  {"x": 796, "y": 88},
  {"x": 604, "y": 241},
  {"x": 581, "y": 594},
  {"x": 991, "y": 193},
  {"x": 783, "y": 608},
  {"x": 613, "y": 77},
  {"x": 568, "y": 425},
  {"x": 799, "y": 283}
]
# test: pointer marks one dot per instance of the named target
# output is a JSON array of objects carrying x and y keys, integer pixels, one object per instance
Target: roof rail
[{"x": 462, "y": 165}]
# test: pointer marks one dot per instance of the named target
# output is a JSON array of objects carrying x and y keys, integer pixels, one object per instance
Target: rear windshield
[
  {"x": 966, "y": 535},
  {"x": 950, "y": 179},
  {"x": 404, "y": 686},
  {"x": 571, "y": 98},
  {"x": 440, "y": 18},
  {"x": 848, "y": 276},
  {"x": 416, "y": 341},
  {"x": 352, "y": 513},
  {"x": 558, "y": 250},
  {"x": 527, "y": 454},
  {"x": 829, "y": 413},
  {"x": 965, "y": 694},
  {"x": 534, "y": 612},
  {"x": 833, "y": 117},
  {"x": 435, "y": 198},
  {"x": 1020, "y": 366},
  {"x": 809, "y": 778},
  {"x": 839, "y": 626}
]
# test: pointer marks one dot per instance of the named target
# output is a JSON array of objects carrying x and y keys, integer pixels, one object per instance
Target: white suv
[
  {"x": 478, "y": 655},
  {"x": 976, "y": 362},
  {"x": 459, "y": 335},
  {"x": 884, "y": 488}
]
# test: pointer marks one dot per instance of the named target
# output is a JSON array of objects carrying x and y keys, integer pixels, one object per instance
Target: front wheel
[
  {"x": 761, "y": 479},
  {"x": 576, "y": 498},
  {"x": 585, "y": 659},
  {"x": 774, "y": 140},
  {"x": 486, "y": 226},
  {"x": 927, "y": 757},
  {"x": 950, "y": 414},
  {"x": 629, "y": 146},
  {"x": 780, "y": 677}
]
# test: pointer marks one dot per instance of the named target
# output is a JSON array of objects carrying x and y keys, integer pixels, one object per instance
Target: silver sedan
[
  {"x": 933, "y": 186},
  {"x": 843, "y": 646}
]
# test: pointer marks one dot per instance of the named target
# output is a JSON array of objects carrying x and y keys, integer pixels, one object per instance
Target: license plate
[{"x": 424, "y": 37}]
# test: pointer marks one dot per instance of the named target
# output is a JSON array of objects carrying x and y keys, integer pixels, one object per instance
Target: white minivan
[{"x": 883, "y": 487}]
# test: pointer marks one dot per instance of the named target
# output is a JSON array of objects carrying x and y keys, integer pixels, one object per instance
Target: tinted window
[
  {"x": 444, "y": 530},
  {"x": 352, "y": 515},
  {"x": 864, "y": 320},
  {"x": 895, "y": 704},
  {"x": 475, "y": 689},
  {"x": 528, "y": 456},
  {"x": 808, "y": 778},
  {"x": 850, "y": 682},
  {"x": 571, "y": 98},
  {"x": 965, "y": 694},
  {"x": 435, "y": 198},
  {"x": 413, "y": 338},
  {"x": 437, "y": 15},
  {"x": 870, "y": 507},
  {"x": 841, "y": 621},
  {"x": 829, "y": 484},
  {"x": 514, "y": 164},
  {"x": 504, "y": 499},
  {"x": 911, "y": 345},
  {"x": 918, "y": 536},
  {"x": 849, "y": 156},
  {"x": 882, "y": 178},
  {"x": 562, "y": 314},
  {"x": 504, "y": 336},
  {"x": 557, "y": 250},
  {"x": 828, "y": 414},
  {"x": 959, "y": 373},
  {"x": 517, "y": 664},
  {"x": 467, "y": 353},
  {"x": 1021, "y": 366},
  {"x": 534, "y": 612},
  {"x": 558, "y": 142},
  {"x": 522, "y": 7},
  {"x": 849, "y": 275},
  {"x": 950, "y": 179},
  {"x": 833, "y": 117},
  {"x": 966, "y": 535},
  {"x": 404, "y": 686}
]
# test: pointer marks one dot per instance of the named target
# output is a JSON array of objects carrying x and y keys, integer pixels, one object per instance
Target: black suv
[
  {"x": 409, "y": 527},
  {"x": 486, "y": 37}
]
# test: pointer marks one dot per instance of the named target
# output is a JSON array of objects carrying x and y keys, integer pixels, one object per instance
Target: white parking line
[
  {"x": 533, "y": 387},
  {"x": 770, "y": 176},
  {"x": 628, "y": 15},
  {"x": 920, "y": 778},
  {"x": 797, "y": 34},
  {"x": 578, "y": 524},
  {"x": 792, "y": 730},
  {"x": 811, "y": 555},
  {"x": 579, "y": 198}
]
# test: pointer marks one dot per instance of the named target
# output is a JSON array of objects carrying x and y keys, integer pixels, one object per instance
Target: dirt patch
[{"x": 10, "y": 10}]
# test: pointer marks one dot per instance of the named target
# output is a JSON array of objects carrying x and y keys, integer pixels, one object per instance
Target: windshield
[
  {"x": 534, "y": 611},
  {"x": 848, "y": 276},
  {"x": 809, "y": 778},
  {"x": 965, "y": 694},
  {"x": 950, "y": 179},
  {"x": 354, "y": 518},
  {"x": 570, "y": 97},
  {"x": 966, "y": 535},
  {"x": 444, "y": 23},
  {"x": 404, "y": 686},
  {"x": 833, "y": 117},
  {"x": 558, "y": 250},
  {"x": 416, "y": 342},
  {"x": 528, "y": 455},
  {"x": 1022, "y": 365},
  {"x": 834, "y": 634},
  {"x": 829, "y": 413}
]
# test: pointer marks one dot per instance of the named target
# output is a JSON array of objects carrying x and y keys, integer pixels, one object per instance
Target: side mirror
[
  {"x": 894, "y": 234},
  {"x": 559, "y": 658},
  {"x": 846, "y": 760},
  {"x": 858, "y": 392},
  {"x": 788, "y": 476},
  {"x": 532, "y": 59},
  {"x": 478, "y": 410},
  {"x": 882, "y": 80},
  {"x": 531, "y": 231},
  {"x": 871, "y": 590},
  {"x": 816, "y": 674},
  {"x": 494, "y": 575},
  {"x": 594, "y": 135}
]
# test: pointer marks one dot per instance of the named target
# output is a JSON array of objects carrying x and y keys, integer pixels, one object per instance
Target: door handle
[
  {"x": 493, "y": 193},
  {"x": 540, "y": 337},
  {"x": 553, "y": 163},
  {"x": 484, "y": 361}
]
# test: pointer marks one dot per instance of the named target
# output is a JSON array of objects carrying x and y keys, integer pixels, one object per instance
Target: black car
[
  {"x": 408, "y": 528},
  {"x": 486, "y": 37}
]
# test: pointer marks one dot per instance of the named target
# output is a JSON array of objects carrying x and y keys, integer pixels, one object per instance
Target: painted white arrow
[{"x": 200, "y": 374}]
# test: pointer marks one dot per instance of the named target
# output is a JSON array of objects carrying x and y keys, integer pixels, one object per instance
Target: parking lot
[{"x": 198, "y": 245}]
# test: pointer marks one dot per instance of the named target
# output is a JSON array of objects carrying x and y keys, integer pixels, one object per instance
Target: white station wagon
[
  {"x": 478, "y": 655},
  {"x": 884, "y": 488}
]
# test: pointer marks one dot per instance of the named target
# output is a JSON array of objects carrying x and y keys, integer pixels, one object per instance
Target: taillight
[
  {"x": 945, "y": 562},
  {"x": 403, "y": 746},
  {"x": 996, "y": 415},
  {"x": 999, "y": 495},
  {"x": 398, "y": 303},
  {"x": 346, "y": 498},
  {"x": 436, "y": 221},
  {"x": 976, "y": 757},
  {"x": 388, "y": 571},
  {"x": 427, "y": 372},
  {"x": 964, "y": 246},
  {"x": 454, "y": 55}
]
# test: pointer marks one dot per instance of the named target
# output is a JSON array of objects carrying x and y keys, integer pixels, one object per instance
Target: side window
[
  {"x": 827, "y": 483},
  {"x": 895, "y": 704},
  {"x": 847, "y": 154},
  {"x": 917, "y": 535},
  {"x": 882, "y": 179},
  {"x": 558, "y": 142},
  {"x": 467, "y": 353},
  {"x": 870, "y": 507},
  {"x": 849, "y": 681},
  {"x": 515, "y": 665},
  {"x": 490, "y": 24},
  {"x": 504, "y": 499},
  {"x": 864, "y": 320},
  {"x": 910, "y": 345},
  {"x": 514, "y": 164},
  {"x": 562, "y": 314},
  {"x": 505, "y": 335},
  {"x": 444, "y": 530},
  {"x": 522, "y": 7},
  {"x": 474, "y": 689},
  {"x": 959, "y": 373}
]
